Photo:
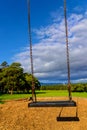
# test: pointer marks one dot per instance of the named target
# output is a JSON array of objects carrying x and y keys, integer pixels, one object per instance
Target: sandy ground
[{"x": 16, "y": 115}]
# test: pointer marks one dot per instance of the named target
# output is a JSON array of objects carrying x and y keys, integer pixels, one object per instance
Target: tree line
[
  {"x": 77, "y": 87},
  {"x": 14, "y": 79}
]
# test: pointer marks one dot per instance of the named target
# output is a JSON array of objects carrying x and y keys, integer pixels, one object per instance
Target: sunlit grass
[
  {"x": 42, "y": 93},
  {"x": 13, "y": 96}
]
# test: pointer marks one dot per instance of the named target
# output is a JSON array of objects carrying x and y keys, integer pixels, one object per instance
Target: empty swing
[{"x": 59, "y": 103}]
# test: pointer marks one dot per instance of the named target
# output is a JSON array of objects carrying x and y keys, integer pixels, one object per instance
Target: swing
[{"x": 64, "y": 103}]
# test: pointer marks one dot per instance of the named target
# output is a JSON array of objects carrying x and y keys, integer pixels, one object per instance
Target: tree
[
  {"x": 12, "y": 78},
  {"x": 28, "y": 78},
  {"x": 16, "y": 64},
  {"x": 4, "y": 64}
]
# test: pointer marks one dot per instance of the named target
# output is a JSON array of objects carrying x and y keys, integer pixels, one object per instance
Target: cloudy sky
[{"x": 48, "y": 38}]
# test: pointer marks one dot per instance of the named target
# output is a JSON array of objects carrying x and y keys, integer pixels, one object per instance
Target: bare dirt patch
[{"x": 15, "y": 115}]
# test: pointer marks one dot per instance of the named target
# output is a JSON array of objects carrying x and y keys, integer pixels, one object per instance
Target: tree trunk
[{"x": 11, "y": 91}]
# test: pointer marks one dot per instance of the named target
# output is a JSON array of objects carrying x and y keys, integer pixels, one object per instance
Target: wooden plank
[{"x": 65, "y": 103}]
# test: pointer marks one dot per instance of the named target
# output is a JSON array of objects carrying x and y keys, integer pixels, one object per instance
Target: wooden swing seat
[{"x": 64, "y": 103}]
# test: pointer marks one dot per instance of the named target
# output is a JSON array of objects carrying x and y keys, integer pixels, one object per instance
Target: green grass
[
  {"x": 42, "y": 93},
  {"x": 79, "y": 94},
  {"x": 51, "y": 93},
  {"x": 59, "y": 93},
  {"x": 13, "y": 96}
]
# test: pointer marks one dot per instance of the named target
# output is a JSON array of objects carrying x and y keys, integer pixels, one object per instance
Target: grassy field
[{"x": 42, "y": 93}]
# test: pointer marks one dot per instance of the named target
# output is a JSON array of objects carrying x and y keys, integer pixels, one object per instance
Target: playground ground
[{"x": 15, "y": 115}]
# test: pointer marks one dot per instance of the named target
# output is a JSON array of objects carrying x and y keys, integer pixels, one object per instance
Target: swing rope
[
  {"x": 67, "y": 50},
  {"x": 31, "y": 56}
]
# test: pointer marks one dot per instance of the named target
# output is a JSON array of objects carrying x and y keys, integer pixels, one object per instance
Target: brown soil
[{"x": 15, "y": 115}]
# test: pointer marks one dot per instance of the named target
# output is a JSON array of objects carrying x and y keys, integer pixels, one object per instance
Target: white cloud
[{"x": 49, "y": 53}]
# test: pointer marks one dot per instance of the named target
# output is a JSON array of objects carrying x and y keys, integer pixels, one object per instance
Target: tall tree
[
  {"x": 29, "y": 81},
  {"x": 4, "y": 64},
  {"x": 12, "y": 78}
]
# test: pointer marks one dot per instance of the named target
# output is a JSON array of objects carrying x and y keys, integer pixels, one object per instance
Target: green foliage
[
  {"x": 4, "y": 64},
  {"x": 12, "y": 78},
  {"x": 28, "y": 78},
  {"x": 54, "y": 87},
  {"x": 79, "y": 87}
]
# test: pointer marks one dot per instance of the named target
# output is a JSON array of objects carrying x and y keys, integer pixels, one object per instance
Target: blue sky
[{"x": 48, "y": 37}]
